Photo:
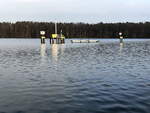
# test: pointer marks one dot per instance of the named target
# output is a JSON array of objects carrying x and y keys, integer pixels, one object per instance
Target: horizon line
[{"x": 13, "y": 22}]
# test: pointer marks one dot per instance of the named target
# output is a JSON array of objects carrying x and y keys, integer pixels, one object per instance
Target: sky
[{"x": 87, "y": 11}]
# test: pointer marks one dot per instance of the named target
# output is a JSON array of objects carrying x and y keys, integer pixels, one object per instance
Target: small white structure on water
[
  {"x": 121, "y": 37},
  {"x": 42, "y": 33},
  {"x": 84, "y": 41}
]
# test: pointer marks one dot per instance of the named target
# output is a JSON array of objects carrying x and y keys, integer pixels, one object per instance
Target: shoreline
[{"x": 75, "y": 38}]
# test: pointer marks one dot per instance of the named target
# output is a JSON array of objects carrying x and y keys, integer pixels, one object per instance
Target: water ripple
[{"x": 75, "y": 78}]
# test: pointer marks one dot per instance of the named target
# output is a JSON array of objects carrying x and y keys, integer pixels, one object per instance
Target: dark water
[{"x": 74, "y": 78}]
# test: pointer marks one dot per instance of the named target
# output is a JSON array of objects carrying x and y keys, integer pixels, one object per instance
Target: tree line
[{"x": 75, "y": 30}]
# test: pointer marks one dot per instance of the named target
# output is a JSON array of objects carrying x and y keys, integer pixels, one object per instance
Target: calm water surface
[{"x": 74, "y": 78}]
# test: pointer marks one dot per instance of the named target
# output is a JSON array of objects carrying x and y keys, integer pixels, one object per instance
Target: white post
[
  {"x": 55, "y": 28},
  {"x": 42, "y": 37},
  {"x": 121, "y": 37},
  {"x": 61, "y": 32}
]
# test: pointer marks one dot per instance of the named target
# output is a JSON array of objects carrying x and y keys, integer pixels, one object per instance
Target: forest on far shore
[{"x": 75, "y": 30}]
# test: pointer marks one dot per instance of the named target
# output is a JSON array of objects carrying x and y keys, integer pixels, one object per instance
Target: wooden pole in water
[
  {"x": 42, "y": 37},
  {"x": 50, "y": 40}
]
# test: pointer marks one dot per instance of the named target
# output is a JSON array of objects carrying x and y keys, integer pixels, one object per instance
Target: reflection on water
[
  {"x": 107, "y": 77},
  {"x": 54, "y": 51},
  {"x": 43, "y": 50},
  {"x": 43, "y": 54},
  {"x": 57, "y": 50},
  {"x": 121, "y": 47}
]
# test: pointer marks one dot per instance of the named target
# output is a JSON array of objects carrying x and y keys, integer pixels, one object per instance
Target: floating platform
[
  {"x": 57, "y": 39},
  {"x": 84, "y": 41}
]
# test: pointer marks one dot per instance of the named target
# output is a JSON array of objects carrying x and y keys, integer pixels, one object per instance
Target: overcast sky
[{"x": 91, "y": 11}]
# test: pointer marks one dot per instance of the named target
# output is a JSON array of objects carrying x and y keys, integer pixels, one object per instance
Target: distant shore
[
  {"x": 78, "y": 30},
  {"x": 75, "y": 38}
]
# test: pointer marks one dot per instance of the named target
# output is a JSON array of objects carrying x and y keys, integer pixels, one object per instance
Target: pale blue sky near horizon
[{"x": 88, "y": 11}]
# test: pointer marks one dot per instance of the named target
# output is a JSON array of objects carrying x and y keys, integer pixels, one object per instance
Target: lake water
[{"x": 104, "y": 77}]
